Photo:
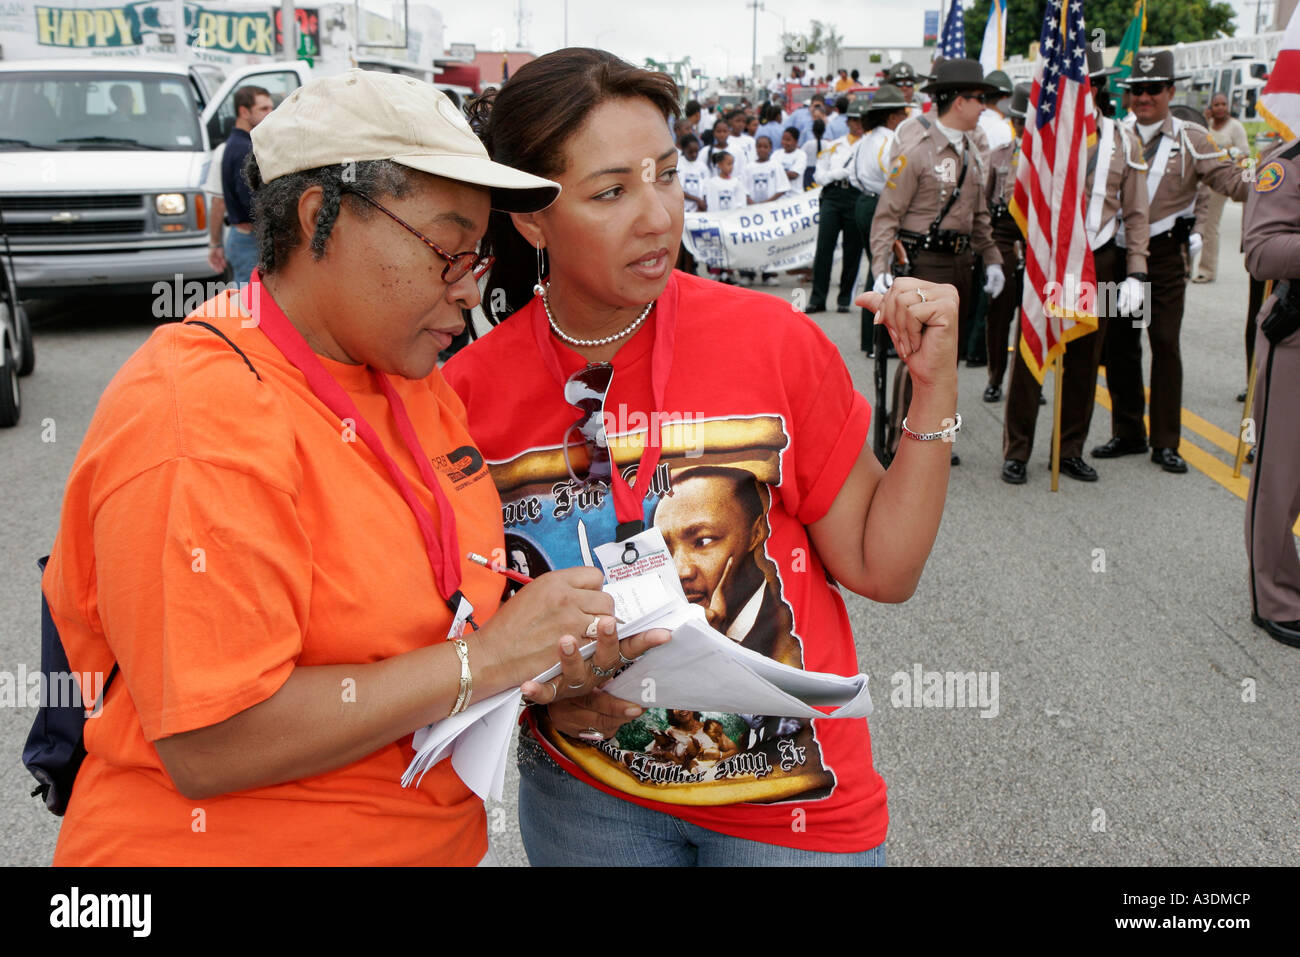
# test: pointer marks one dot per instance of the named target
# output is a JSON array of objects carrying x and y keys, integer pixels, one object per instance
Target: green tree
[{"x": 1168, "y": 22}]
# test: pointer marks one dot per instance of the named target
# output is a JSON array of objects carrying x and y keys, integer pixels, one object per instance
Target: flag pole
[
  {"x": 1058, "y": 364},
  {"x": 1250, "y": 402},
  {"x": 1241, "y": 432}
]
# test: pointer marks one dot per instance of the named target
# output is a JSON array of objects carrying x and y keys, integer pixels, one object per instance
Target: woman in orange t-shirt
[{"x": 270, "y": 549}]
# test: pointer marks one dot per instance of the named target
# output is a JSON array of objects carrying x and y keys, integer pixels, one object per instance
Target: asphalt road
[{"x": 1141, "y": 718}]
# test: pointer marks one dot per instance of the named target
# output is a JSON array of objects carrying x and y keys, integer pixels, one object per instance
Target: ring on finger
[
  {"x": 593, "y": 627},
  {"x": 580, "y": 684},
  {"x": 591, "y": 734},
  {"x": 603, "y": 673},
  {"x": 921, "y": 293},
  {"x": 624, "y": 658}
]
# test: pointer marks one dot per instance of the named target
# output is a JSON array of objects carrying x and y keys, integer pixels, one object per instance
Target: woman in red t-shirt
[{"x": 761, "y": 483}]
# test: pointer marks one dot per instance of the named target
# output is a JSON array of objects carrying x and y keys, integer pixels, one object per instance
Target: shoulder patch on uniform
[
  {"x": 899, "y": 163},
  {"x": 1269, "y": 177}
]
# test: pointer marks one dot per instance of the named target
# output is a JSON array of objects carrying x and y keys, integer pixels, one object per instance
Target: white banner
[{"x": 773, "y": 236}]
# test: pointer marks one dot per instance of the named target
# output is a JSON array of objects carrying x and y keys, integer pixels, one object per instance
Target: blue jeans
[
  {"x": 565, "y": 822},
  {"x": 241, "y": 253}
]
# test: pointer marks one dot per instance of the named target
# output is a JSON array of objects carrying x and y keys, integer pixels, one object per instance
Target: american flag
[
  {"x": 1279, "y": 101},
  {"x": 952, "y": 45},
  {"x": 1060, "y": 279}
]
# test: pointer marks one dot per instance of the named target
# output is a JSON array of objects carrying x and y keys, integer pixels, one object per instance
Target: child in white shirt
[
  {"x": 792, "y": 159},
  {"x": 722, "y": 142},
  {"x": 692, "y": 172},
  {"x": 722, "y": 192},
  {"x": 765, "y": 180}
]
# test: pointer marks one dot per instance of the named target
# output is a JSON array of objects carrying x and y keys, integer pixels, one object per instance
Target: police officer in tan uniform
[
  {"x": 1001, "y": 185},
  {"x": 1114, "y": 196},
  {"x": 1272, "y": 240},
  {"x": 1179, "y": 157},
  {"x": 904, "y": 77},
  {"x": 933, "y": 203},
  {"x": 934, "y": 197}
]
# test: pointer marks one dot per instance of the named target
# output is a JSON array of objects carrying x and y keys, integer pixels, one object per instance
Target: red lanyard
[
  {"x": 442, "y": 545},
  {"x": 627, "y": 501}
]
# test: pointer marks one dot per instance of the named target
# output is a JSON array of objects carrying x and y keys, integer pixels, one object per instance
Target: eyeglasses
[
  {"x": 457, "y": 265},
  {"x": 587, "y": 389},
  {"x": 981, "y": 96},
  {"x": 1147, "y": 89}
]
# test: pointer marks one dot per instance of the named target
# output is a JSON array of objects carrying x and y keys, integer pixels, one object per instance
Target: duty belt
[
  {"x": 839, "y": 184},
  {"x": 937, "y": 241},
  {"x": 998, "y": 211},
  {"x": 1179, "y": 232}
]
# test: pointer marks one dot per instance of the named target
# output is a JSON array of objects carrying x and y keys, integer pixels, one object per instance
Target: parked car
[
  {"x": 17, "y": 350},
  {"x": 104, "y": 163}
]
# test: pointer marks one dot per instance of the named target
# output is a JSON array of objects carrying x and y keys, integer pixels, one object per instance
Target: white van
[{"x": 102, "y": 164}]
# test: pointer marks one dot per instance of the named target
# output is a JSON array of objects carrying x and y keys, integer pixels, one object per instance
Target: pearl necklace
[{"x": 588, "y": 343}]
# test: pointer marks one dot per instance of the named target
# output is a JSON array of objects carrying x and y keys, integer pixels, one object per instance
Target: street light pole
[{"x": 753, "y": 65}]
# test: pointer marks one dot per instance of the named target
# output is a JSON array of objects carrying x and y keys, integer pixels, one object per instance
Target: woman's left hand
[
  {"x": 577, "y": 678},
  {"x": 921, "y": 318},
  {"x": 593, "y": 717}
]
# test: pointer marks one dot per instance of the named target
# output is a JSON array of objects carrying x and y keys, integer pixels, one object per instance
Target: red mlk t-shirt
[{"x": 760, "y": 426}]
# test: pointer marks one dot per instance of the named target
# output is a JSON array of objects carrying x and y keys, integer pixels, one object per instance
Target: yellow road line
[
  {"x": 1205, "y": 429},
  {"x": 1208, "y": 430},
  {"x": 1198, "y": 458}
]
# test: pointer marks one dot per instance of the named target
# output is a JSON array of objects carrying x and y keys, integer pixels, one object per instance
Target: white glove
[
  {"x": 883, "y": 282},
  {"x": 994, "y": 281},
  {"x": 1132, "y": 293},
  {"x": 1194, "y": 245}
]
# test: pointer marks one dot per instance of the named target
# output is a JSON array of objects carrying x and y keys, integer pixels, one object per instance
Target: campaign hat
[
  {"x": 1000, "y": 80},
  {"x": 1152, "y": 66},
  {"x": 1097, "y": 64},
  {"x": 958, "y": 74},
  {"x": 1019, "y": 101},
  {"x": 888, "y": 97}
]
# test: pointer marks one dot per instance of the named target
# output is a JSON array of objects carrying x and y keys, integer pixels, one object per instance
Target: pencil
[{"x": 510, "y": 573}]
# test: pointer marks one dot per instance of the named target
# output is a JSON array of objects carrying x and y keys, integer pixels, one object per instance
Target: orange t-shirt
[{"x": 217, "y": 531}]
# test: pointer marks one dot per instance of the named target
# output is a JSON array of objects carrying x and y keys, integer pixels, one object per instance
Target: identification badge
[
  {"x": 464, "y": 615},
  {"x": 643, "y": 554}
]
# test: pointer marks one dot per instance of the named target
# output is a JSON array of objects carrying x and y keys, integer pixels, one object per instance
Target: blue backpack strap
[{"x": 56, "y": 744}]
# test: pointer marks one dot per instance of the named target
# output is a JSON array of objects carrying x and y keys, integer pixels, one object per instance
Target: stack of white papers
[{"x": 700, "y": 669}]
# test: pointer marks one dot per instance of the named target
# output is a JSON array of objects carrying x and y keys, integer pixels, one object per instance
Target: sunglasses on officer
[
  {"x": 978, "y": 95},
  {"x": 1147, "y": 89}
]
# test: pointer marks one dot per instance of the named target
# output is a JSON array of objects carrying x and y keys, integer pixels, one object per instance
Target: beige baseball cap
[{"x": 363, "y": 115}]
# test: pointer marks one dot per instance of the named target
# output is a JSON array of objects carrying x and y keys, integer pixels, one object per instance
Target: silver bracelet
[{"x": 947, "y": 433}]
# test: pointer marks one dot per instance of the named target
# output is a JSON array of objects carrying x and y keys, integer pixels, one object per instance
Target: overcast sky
[{"x": 717, "y": 34}]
